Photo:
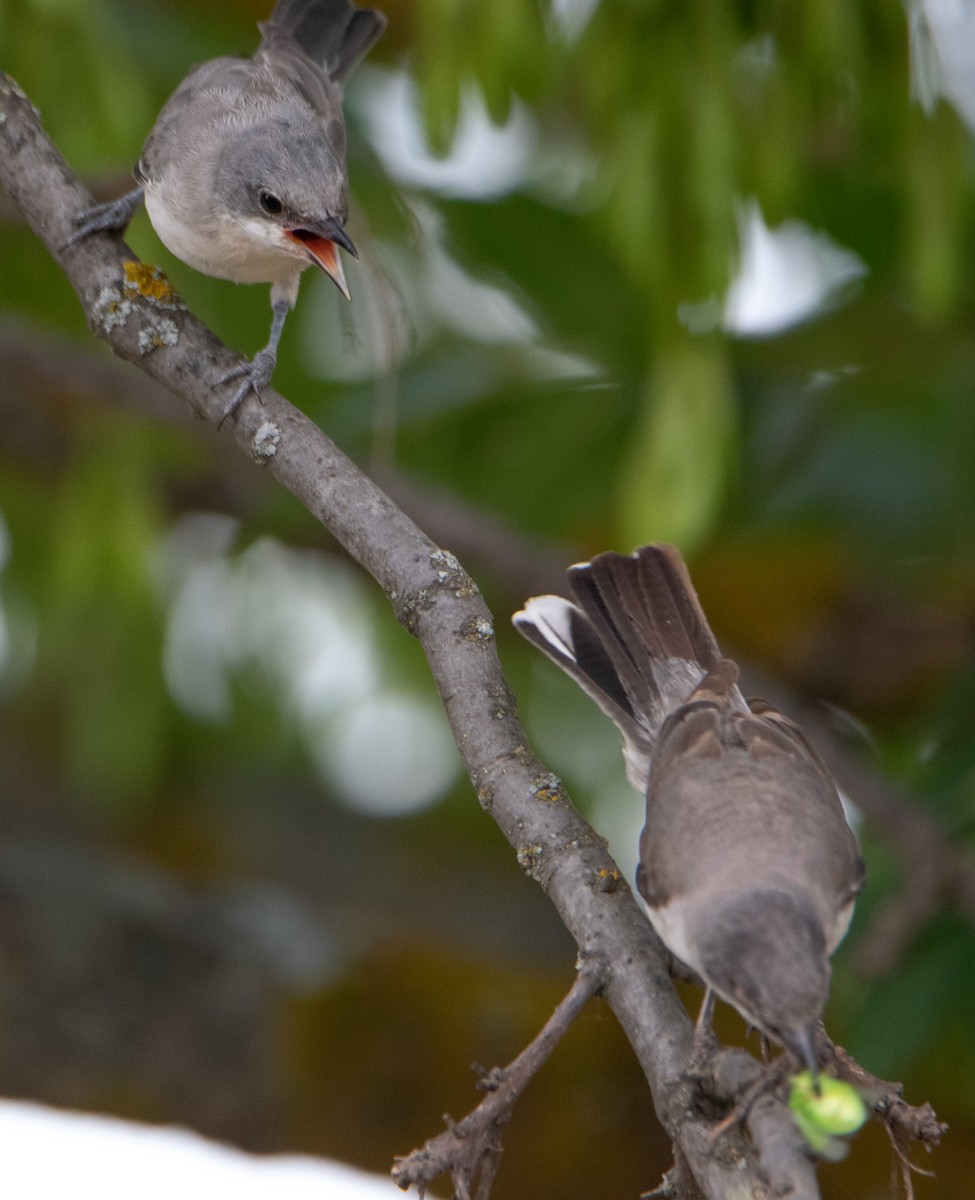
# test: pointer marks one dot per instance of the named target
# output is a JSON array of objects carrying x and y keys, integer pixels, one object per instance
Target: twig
[
  {"x": 470, "y": 1149},
  {"x": 906, "y": 1125}
]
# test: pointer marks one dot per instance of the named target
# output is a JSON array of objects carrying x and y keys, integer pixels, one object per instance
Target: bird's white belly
[
  {"x": 672, "y": 925},
  {"x": 245, "y": 251}
]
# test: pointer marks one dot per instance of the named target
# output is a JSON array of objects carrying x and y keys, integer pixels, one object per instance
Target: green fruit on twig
[{"x": 825, "y": 1110}]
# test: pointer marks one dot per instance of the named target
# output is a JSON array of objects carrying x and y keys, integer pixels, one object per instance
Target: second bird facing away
[
  {"x": 244, "y": 173},
  {"x": 747, "y": 863}
]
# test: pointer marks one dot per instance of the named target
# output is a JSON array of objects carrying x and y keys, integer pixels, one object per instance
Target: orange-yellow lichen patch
[{"x": 151, "y": 284}]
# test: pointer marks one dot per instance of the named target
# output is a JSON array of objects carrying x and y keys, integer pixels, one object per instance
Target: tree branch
[{"x": 144, "y": 322}]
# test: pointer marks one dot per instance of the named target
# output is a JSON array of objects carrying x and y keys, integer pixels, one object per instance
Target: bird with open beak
[
  {"x": 244, "y": 174},
  {"x": 747, "y": 864}
]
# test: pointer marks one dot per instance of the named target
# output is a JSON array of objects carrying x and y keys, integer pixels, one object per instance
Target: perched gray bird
[
  {"x": 244, "y": 173},
  {"x": 747, "y": 863}
]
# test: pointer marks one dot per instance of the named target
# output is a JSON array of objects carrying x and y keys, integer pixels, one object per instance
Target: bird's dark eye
[{"x": 270, "y": 203}]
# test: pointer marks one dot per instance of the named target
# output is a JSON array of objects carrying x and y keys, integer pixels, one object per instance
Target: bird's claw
[
  {"x": 111, "y": 217},
  {"x": 256, "y": 376}
]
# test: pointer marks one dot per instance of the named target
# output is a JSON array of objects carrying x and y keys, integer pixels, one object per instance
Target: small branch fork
[
  {"x": 906, "y": 1124},
  {"x": 470, "y": 1150},
  {"x": 142, "y": 319}
]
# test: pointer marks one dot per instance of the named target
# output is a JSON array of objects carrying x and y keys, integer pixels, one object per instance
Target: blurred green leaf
[
  {"x": 674, "y": 478},
  {"x": 101, "y": 620},
  {"x": 895, "y": 1027}
]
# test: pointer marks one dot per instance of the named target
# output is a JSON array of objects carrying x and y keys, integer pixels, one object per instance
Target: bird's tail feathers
[
  {"x": 636, "y": 641},
  {"x": 333, "y": 33},
  {"x": 562, "y": 631},
  {"x": 646, "y": 613}
]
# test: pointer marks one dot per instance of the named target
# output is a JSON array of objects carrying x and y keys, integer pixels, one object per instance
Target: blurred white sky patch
[
  {"x": 301, "y": 625},
  {"x": 410, "y": 296},
  {"x": 569, "y": 18},
  {"x": 199, "y": 641},
  {"x": 389, "y": 755},
  {"x": 485, "y": 160},
  {"x": 470, "y": 307},
  {"x": 193, "y": 575},
  {"x": 305, "y": 621},
  {"x": 785, "y": 276},
  {"x": 757, "y": 59},
  {"x": 48, "y": 1153},
  {"x": 404, "y": 297},
  {"x": 943, "y": 54}
]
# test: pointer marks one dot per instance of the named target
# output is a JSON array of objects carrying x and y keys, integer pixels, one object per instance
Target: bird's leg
[
  {"x": 113, "y": 217},
  {"x": 257, "y": 373},
  {"x": 702, "y": 1047}
]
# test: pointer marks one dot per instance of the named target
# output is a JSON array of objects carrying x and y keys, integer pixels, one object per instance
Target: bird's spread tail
[
  {"x": 333, "y": 33},
  {"x": 636, "y": 641}
]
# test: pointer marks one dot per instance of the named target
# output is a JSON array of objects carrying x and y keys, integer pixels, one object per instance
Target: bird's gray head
[
  {"x": 285, "y": 188},
  {"x": 289, "y": 157},
  {"x": 765, "y": 953}
]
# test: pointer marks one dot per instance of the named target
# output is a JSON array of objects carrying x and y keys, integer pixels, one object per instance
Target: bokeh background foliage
[{"x": 242, "y": 883}]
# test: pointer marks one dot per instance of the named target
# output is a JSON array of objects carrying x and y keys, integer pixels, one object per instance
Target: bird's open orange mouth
[{"x": 324, "y": 253}]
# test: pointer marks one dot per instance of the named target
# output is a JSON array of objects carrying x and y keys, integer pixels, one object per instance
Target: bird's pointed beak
[
  {"x": 802, "y": 1043},
  {"x": 321, "y": 241}
]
